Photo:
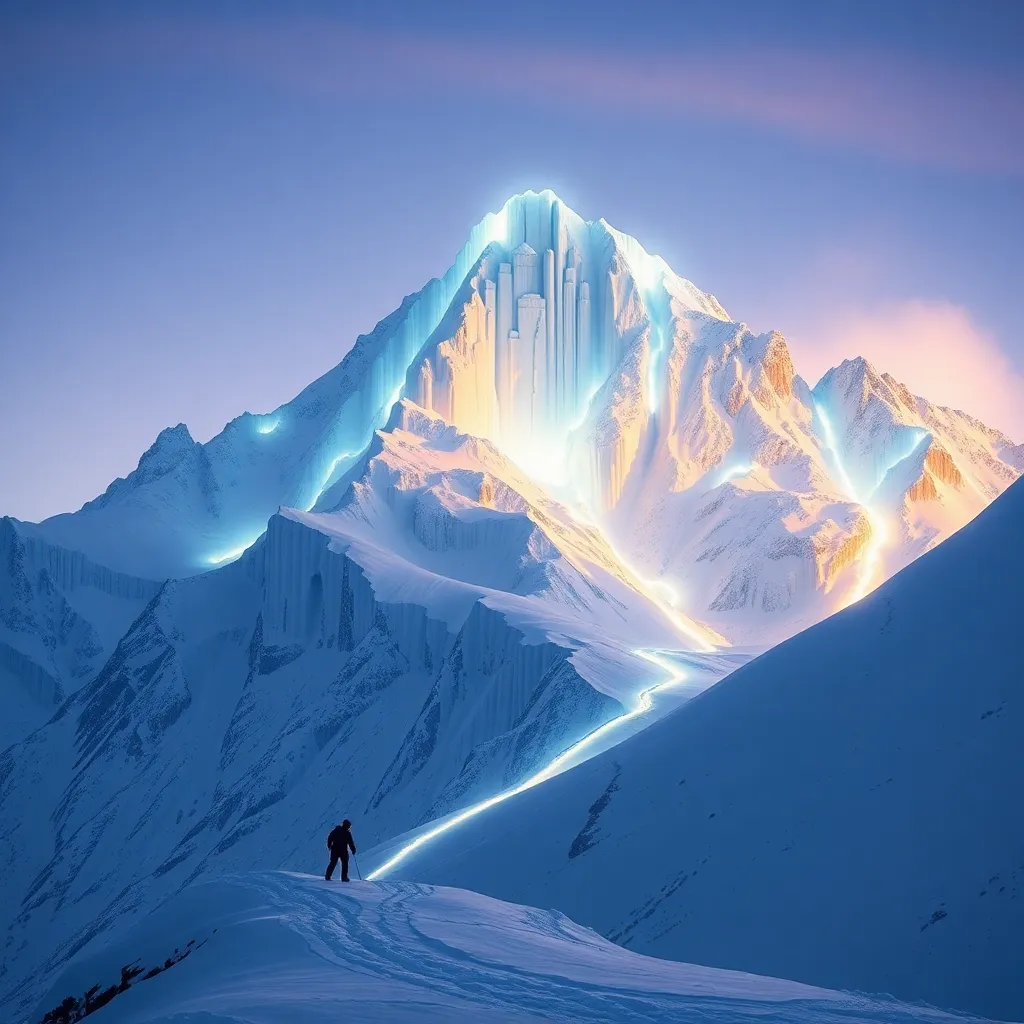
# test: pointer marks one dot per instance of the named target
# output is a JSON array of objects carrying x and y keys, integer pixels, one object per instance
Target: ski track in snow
[
  {"x": 276, "y": 947},
  {"x": 643, "y": 703}
]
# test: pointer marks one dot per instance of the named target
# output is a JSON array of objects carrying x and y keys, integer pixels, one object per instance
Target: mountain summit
[
  {"x": 753, "y": 502},
  {"x": 547, "y": 500}
]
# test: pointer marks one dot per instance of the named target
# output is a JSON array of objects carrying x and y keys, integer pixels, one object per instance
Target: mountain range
[{"x": 551, "y": 498}]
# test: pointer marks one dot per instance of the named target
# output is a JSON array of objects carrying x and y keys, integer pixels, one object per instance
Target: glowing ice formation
[
  {"x": 230, "y": 556},
  {"x": 649, "y": 274},
  {"x": 533, "y": 342},
  {"x": 266, "y": 424},
  {"x": 642, "y": 704},
  {"x": 328, "y": 477},
  {"x": 833, "y": 447},
  {"x": 870, "y": 561}
]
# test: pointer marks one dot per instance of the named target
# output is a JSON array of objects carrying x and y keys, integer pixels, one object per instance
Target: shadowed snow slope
[
  {"x": 269, "y": 948},
  {"x": 844, "y": 810}
]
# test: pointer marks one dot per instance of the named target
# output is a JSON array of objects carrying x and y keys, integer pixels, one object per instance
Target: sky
[{"x": 203, "y": 204}]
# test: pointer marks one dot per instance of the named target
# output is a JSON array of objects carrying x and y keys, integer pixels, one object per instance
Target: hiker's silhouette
[{"x": 339, "y": 842}]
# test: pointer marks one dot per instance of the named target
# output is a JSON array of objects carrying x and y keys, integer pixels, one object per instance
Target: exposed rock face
[
  {"x": 938, "y": 466},
  {"x": 940, "y": 463},
  {"x": 777, "y": 368},
  {"x": 836, "y": 549}
]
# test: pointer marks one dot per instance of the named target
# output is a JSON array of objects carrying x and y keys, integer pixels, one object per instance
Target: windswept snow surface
[
  {"x": 844, "y": 810},
  {"x": 270, "y": 948}
]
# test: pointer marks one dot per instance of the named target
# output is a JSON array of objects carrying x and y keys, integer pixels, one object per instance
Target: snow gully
[{"x": 643, "y": 703}]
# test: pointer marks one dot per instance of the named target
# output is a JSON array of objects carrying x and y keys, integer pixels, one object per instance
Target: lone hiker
[{"x": 339, "y": 842}]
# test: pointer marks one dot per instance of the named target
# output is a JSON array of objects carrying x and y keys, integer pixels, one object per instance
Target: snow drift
[{"x": 275, "y": 947}]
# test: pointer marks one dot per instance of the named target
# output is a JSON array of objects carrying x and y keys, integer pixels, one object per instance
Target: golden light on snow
[{"x": 869, "y": 563}]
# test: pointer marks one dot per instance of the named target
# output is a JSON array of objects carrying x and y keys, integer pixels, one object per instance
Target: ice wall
[{"x": 537, "y": 331}]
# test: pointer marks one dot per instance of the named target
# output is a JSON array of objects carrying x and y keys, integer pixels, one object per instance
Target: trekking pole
[{"x": 356, "y": 860}]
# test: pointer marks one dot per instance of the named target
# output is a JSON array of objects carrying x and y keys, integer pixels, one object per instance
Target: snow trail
[
  {"x": 643, "y": 703},
  {"x": 271, "y": 947}
]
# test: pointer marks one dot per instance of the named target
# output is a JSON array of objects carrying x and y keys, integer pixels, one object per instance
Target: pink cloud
[
  {"x": 893, "y": 106},
  {"x": 935, "y": 348}
]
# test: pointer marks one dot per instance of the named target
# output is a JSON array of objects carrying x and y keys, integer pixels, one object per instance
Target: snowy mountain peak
[
  {"x": 442, "y": 572},
  {"x": 627, "y": 393}
]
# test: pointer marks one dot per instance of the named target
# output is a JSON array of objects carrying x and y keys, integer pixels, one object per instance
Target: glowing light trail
[
  {"x": 870, "y": 561},
  {"x": 643, "y": 703},
  {"x": 230, "y": 556},
  {"x": 660, "y": 591},
  {"x": 327, "y": 476},
  {"x": 833, "y": 447}
]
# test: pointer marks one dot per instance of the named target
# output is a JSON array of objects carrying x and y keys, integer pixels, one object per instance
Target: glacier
[{"x": 542, "y": 506}]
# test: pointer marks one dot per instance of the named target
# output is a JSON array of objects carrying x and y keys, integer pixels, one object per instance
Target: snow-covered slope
[
  {"x": 843, "y": 810},
  {"x": 60, "y": 618},
  {"x": 266, "y": 948},
  {"x": 439, "y": 630},
  {"x": 190, "y": 506},
  {"x": 435, "y": 571}
]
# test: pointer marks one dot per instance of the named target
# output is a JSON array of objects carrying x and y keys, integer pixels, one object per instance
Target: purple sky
[{"x": 200, "y": 211}]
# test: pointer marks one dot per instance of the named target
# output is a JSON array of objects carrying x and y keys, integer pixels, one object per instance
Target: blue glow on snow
[
  {"x": 915, "y": 439},
  {"x": 266, "y": 424},
  {"x": 648, "y": 273},
  {"x": 230, "y": 556},
  {"x": 349, "y": 456},
  {"x": 338, "y": 460},
  {"x": 643, "y": 702},
  {"x": 833, "y": 447}
]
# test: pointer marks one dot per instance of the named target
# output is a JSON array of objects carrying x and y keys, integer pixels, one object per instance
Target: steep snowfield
[
  {"x": 842, "y": 811},
  {"x": 267, "y": 948}
]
